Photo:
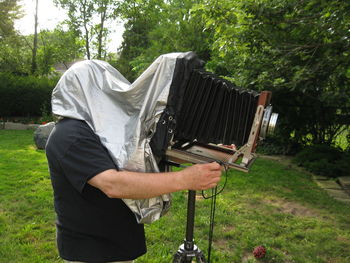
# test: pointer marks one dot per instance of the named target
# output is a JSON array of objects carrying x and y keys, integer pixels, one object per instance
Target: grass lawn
[{"x": 274, "y": 205}]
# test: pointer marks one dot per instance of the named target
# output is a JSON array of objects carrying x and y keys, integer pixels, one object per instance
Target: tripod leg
[
  {"x": 177, "y": 258},
  {"x": 183, "y": 255},
  {"x": 200, "y": 257}
]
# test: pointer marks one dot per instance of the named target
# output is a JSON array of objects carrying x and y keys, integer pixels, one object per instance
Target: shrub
[
  {"x": 24, "y": 95},
  {"x": 324, "y": 160},
  {"x": 276, "y": 145}
]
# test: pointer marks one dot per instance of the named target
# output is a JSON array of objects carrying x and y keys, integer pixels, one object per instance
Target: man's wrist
[{"x": 181, "y": 182}]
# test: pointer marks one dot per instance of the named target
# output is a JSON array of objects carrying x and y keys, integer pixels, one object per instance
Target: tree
[
  {"x": 36, "y": 53},
  {"x": 140, "y": 18},
  {"x": 53, "y": 47},
  {"x": 58, "y": 46},
  {"x": 106, "y": 10},
  {"x": 81, "y": 15},
  {"x": 297, "y": 49},
  {"x": 10, "y": 10},
  {"x": 157, "y": 27},
  {"x": 12, "y": 55},
  {"x": 178, "y": 29},
  {"x": 35, "y": 40},
  {"x": 15, "y": 56}
]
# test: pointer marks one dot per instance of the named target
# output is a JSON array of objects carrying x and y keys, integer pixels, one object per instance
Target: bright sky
[{"x": 49, "y": 16}]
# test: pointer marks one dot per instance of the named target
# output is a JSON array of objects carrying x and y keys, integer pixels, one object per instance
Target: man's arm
[{"x": 135, "y": 185}]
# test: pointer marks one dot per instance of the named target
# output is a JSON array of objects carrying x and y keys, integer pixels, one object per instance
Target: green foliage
[
  {"x": 82, "y": 21},
  {"x": 46, "y": 115},
  {"x": 10, "y": 10},
  {"x": 57, "y": 46},
  {"x": 15, "y": 56},
  {"x": 274, "y": 145},
  {"x": 178, "y": 30},
  {"x": 297, "y": 49},
  {"x": 324, "y": 160},
  {"x": 16, "y": 51},
  {"x": 141, "y": 18},
  {"x": 24, "y": 95},
  {"x": 157, "y": 27},
  {"x": 134, "y": 38}
]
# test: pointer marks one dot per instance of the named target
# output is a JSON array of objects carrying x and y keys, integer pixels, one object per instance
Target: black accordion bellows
[
  {"x": 215, "y": 111},
  {"x": 203, "y": 107}
]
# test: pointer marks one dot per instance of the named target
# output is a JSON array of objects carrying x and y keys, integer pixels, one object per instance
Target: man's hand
[{"x": 201, "y": 176}]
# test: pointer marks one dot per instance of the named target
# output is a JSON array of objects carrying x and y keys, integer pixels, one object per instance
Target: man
[
  {"x": 88, "y": 160},
  {"x": 93, "y": 223}
]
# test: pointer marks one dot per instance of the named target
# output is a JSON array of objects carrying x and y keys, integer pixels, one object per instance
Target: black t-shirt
[{"x": 91, "y": 227}]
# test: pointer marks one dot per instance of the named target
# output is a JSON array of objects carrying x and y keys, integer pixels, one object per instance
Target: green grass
[
  {"x": 27, "y": 232},
  {"x": 274, "y": 205}
]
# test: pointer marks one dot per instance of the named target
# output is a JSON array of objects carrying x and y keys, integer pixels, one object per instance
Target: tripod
[{"x": 188, "y": 250}]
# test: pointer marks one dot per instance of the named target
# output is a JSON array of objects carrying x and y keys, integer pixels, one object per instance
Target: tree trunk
[
  {"x": 87, "y": 46},
  {"x": 87, "y": 40},
  {"x": 35, "y": 43},
  {"x": 100, "y": 33}
]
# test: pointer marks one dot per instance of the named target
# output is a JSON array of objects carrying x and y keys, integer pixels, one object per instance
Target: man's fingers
[
  {"x": 214, "y": 166},
  {"x": 209, "y": 186},
  {"x": 215, "y": 178},
  {"x": 215, "y": 175}
]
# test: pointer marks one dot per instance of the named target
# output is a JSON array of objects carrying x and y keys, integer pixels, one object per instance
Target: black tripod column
[
  {"x": 191, "y": 206},
  {"x": 189, "y": 250}
]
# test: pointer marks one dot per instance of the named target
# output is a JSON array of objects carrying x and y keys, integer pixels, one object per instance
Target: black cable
[
  {"x": 222, "y": 188},
  {"x": 212, "y": 218},
  {"x": 214, "y": 194}
]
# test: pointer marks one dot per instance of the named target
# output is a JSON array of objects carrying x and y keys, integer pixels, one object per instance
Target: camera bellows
[{"x": 215, "y": 111}]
